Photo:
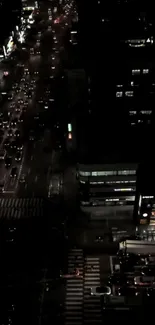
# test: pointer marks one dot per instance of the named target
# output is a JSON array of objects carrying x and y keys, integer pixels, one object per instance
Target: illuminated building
[
  {"x": 107, "y": 189},
  {"x": 144, "y": 212}
]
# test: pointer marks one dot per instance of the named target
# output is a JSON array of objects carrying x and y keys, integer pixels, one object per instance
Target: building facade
[{"x": 107, "y": 190}]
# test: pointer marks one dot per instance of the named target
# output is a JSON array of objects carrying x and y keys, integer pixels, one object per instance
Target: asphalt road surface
[{"x": 29, "y": 112}]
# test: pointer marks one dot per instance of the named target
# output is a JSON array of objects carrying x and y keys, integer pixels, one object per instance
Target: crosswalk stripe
[
  {"x": 77, "y": 293},
  {"x": 92, "y": 305},
  {"x": 73, "y": 307},
  {"x": 78, "y": 298},
  {"x": 73, "y": 303},
  {"x": 74, "y": 290}
]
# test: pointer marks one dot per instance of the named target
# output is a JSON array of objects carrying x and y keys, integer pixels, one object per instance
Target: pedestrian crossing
[
  {"x": 92, "y": 304},
  {"x": 74, "y": 289},
  {"x": 17, "y": 208}
]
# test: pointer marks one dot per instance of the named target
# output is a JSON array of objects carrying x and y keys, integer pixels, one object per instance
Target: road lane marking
[
  {"x": 111, "y": 263},
  {"x": 20, "y": 170}
]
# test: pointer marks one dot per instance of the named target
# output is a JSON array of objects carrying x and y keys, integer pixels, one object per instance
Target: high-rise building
[{"x": 118, "y": 42}]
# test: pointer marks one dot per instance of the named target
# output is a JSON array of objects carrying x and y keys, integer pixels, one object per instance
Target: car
[
  {"x": 17, "y": 133},
  {"x": 31, "y": 135},
  {"x": 13, "y": 173},
  {"x": 6, "y": 143},
  {"x": 19, "y": 146},
  {"x": 100, "y": 291},
  {"x": 5, "y": 124},
  {"x": 117, "y": 279},
  {"x": 20, "y": 101},
  {"x": 22, "y": 178},
  {"x": 21, "y": 118},
  {"x": 18, "y": 156},
  {"x": 29, "y": 94},
  {"x": 26, "y": 103},
  {"x": 13, "y": 144},
  {"x": 2, "y": 184},
  {"x": 40, "y": 100},
  {"x": 18, "y": 89},
  {"x": 26, "y": 71},
  {"x": 17, "y": 109},
  {"x": 46, "y": 106},
  {"x": 31, "y": 87},
  {"x": 12, "y": 105},
  {"x": 10, "y": 133},
  {"x": 127, "y": 291},
  {"x": 8, "y": 162},
  {"x": 10, "y": 96},
  {"x": 31, "y": 51},
  {"x": 2, "y": 154},
  {"x": 14, "y": 122}
]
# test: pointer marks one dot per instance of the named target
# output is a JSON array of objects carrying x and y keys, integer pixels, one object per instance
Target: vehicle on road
[
  {"x": 13, "y": 173},
  {"x": 22, "y": 179},
  {"x": 8, "y": 162},
  {"x": 100, "y": 291},
  {"x": 18, "y": 156},
  {"x": 2, "y": 183},
  {"x": 2, "y": 154}
]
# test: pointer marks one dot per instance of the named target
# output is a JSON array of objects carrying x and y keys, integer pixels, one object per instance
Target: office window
[
  {"x": 146, "y": 112},
  {"x": 119, "y": 86},
  {"x": 126, "y": 172},
  {"x": 135, "y": 71},
  {"x": 104, "y": 173},
  {"x": 119, "y": 93},
  {"x": 129, "y": 93},
  {"x": 145, "y": 71},
  {"x": 132, "y": 112},
  {"x": 84, "y": 173},
  {"x": 95, "y": 174}
]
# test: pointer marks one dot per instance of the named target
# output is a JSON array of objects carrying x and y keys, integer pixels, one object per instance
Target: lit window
[
  {"x": 69, "y": 136},
  {"x": 146, "y": 112},
  {"x": 132, "y": 112},
  {"x": 119, "y": 93},
  {"x": 145, "y": 71},
  {"x": 104, "y": 173},
  {"x": 123, "y": 189},
  {"x": 119, "y": 86},
  {"x": 135, "y": 71},
  {"x": 95, "y": 174},
  {"x": 81, "y": 173},
  {"x": 129, "y": 93},
  {"x": 126, "y": 172}
]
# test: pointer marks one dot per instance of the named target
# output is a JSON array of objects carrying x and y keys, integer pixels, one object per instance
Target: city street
[{"x": 30, "y": 106}]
